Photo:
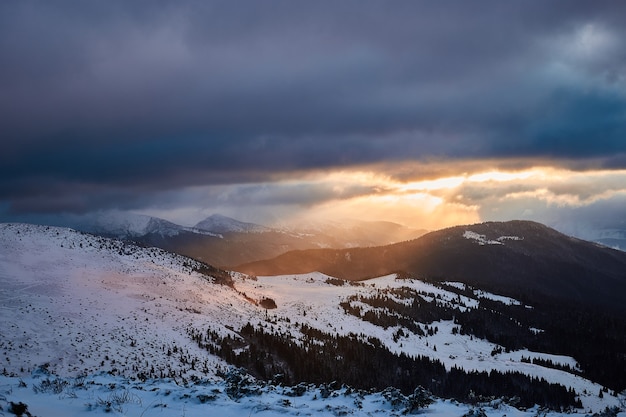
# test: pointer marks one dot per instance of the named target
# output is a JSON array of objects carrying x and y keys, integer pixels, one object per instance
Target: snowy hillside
[
  {"x": 80, "y": 306},
  {"x": 314, "y": 300},
  {"x": 85, "y": 304}
]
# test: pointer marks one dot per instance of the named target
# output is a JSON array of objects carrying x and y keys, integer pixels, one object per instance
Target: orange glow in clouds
[{"x": 435, "y": 203}]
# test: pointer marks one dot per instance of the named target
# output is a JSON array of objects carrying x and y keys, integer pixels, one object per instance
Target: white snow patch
[
  {"x": 483, "y": 294},
  {"x": 457, "y": 285},
  {"x": 483, "y": 240},
  {"x": 500, "y": 298},
  {"x": 480, "y": 239},
  {"x": 503, "y": 238}
]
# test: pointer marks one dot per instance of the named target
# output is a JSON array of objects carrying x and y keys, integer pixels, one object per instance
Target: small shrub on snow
[
  {"x": 116, "y": 400},
  {"x": 239, "y": 384},
  {"x": 394, "y": 397},
  {"x": 475, "y": 413},
  {"x": 608, "y": 412},
  {"x": 329, "y": 390},
  {"x": 204, "y": 398},
  {"x": 19, "y": 409},
  {"x": 411, "y": 404},
  {"x": 297, "y": 390},
  {"x": 420, "y": 398},
  {"x": 54, "y": 386}
]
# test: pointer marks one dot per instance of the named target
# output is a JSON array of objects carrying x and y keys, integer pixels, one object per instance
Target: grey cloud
[
  {"x": 292, "y": 194},
  {"x": 602, "y": 218},
  {"x": 145, "y": 97},
  {"x": 583, "y": 189}
]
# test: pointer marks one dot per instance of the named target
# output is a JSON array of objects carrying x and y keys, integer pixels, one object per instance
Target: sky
[{"x": 430, "y": 114}]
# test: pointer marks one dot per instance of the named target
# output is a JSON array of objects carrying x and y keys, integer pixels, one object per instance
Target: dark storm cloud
[{"x": 116, "y": 99}]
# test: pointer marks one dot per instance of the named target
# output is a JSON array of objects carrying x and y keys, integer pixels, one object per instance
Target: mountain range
[
  {"x": 225, "y": 242},
  {"x": 523, "y": 259},
  {"x": 218, "y": 223},
  {"x": 77, "y": 304}
]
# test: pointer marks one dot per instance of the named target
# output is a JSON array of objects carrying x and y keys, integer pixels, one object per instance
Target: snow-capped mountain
[
  {"x": 124, "y": 225},
  {"x": 218, "y": 223},
  {"x": 77, "y": 305}
]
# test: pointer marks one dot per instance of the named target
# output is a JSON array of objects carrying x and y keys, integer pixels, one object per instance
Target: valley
[{"x": 225, "y": 242}]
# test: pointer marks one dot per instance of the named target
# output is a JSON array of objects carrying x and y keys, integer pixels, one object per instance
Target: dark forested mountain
[
  {"x": 575, "y": 291},
  {"x": 519, "y": 258}
]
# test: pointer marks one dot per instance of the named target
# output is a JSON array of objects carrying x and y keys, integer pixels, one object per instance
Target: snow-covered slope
[
  {"x": 218, "y": 223},
  {"x": 312, "y": 300},
  {"x": 80, "y": 305},
  {"x": 124, "y": 225}
]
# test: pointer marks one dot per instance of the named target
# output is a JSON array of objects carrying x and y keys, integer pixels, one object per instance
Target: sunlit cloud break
[
  {"x": 279, "y": 111},
  {"x": 492, "y": 194}
]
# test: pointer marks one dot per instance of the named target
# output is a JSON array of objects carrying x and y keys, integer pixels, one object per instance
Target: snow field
[{"x": 109, "y": 395}]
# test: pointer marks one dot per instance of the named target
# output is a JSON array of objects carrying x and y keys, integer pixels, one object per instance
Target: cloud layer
[{"x": 118, "y": 105}]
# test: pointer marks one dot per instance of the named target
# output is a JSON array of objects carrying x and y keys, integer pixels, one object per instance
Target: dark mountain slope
[
  {"x": 230, "y": 248},
  {"x": 522, "y": 259}
]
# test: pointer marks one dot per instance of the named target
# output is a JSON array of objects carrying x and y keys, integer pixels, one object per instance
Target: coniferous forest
[{"x": 364, "y": 362}]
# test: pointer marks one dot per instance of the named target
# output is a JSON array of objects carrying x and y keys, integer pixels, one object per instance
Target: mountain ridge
[
  {"x": 527, "y": 252},
  {"x": 218, "y": 223},
  {"x": 224, "y": 241}
]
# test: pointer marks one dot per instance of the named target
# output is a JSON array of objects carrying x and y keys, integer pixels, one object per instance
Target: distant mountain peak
[
  {"x": 218, "y": 223},
  {"x": 122, "y": 224}
]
